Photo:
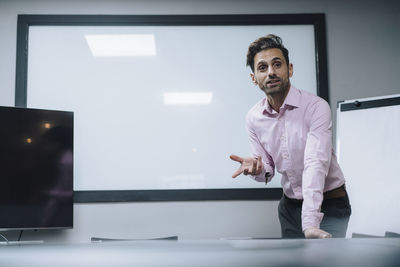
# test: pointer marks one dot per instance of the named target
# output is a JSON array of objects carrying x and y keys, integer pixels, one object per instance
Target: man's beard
[{"x": 279, "y": 89}]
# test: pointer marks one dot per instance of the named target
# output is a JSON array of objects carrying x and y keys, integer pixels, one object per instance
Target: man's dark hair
[{"x": 262, "y": 43}]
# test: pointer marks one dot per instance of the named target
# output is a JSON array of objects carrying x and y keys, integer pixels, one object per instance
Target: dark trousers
[{"x": 336, "y": 211}]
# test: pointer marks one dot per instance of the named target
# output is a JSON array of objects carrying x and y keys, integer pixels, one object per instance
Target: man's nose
[{"x": 271, "y": 72}]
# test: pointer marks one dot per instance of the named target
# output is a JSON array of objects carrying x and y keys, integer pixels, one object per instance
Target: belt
[{"x": 335, "y": 193}]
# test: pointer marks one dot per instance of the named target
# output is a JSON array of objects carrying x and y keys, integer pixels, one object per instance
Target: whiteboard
[
  {"x": 368, "y": 147},
  {"x": 129, "y": 132}
]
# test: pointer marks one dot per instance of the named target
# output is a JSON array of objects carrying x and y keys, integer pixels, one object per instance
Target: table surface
[{"x": 265, "y": 252}]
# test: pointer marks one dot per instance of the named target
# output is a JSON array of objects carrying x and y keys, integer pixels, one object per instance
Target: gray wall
[{"x": 362, "y": 62}]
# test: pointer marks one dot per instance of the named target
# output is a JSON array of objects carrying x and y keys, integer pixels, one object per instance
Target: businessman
[{"x": 290, "y": 130}]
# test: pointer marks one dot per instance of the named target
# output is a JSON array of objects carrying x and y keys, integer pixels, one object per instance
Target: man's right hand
[
  {"x": 252, "y": 166},
  {"x": 316, "y": 233}
]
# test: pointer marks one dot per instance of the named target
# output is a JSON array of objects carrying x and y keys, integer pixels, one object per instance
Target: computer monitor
[{"x": 36, "y": 169}]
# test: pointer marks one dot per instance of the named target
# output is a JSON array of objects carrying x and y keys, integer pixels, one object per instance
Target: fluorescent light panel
[
  {"x": 119, "y": 45},
  {"x": 187, "y": 98}
]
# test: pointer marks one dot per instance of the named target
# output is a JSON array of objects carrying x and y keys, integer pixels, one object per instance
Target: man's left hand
[{"x": 316, "y": 233}]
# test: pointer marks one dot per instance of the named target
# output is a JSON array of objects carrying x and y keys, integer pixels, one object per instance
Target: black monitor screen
[{"x": 36, "y": 168}]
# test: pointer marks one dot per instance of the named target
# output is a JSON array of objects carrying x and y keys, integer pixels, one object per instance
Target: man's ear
[
  {"x": 253, "y": 78},
  {"x": 290, "y": 70}
]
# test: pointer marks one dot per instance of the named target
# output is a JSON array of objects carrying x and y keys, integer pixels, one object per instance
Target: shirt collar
[{"x": 292, "y": 99}]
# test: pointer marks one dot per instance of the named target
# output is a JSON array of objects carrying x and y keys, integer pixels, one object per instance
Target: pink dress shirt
[{"x": 298, "y": 142}]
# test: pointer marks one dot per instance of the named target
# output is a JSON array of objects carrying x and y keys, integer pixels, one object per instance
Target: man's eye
[
  {"x": 262, "y": 67},
  {"x": 277, "y": 64}
]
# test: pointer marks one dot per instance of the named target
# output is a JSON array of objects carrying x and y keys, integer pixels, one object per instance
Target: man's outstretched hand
[
  {"x": 316, "y": 233},
  {"x": 252, "y": 166}
]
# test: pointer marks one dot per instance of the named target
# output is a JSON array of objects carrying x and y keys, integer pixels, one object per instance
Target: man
[{"x": 290, "y": 129}]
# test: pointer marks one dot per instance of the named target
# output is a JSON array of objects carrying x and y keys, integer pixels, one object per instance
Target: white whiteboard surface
[
  {"x": 126, "y": 138},
  {"x": 368, "y": 147}
]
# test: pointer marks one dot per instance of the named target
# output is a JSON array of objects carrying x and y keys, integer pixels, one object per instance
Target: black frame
[
  {"x": 357, "y": 105},
  {"x": 317, "y": 20}
]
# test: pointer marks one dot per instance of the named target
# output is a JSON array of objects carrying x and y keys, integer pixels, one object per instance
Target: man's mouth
[{"x": 274, "y": 82}]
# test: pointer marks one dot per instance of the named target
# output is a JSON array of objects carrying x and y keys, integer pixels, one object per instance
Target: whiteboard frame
[{"x": 316, "y": 20}]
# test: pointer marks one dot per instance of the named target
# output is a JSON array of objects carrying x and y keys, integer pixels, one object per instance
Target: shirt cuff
[
  {"x": 311, "y": 220},
  {"x": 265, "y": 176}
]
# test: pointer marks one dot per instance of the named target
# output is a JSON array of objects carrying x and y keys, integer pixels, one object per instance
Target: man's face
[{"x": 271, "y": 72}]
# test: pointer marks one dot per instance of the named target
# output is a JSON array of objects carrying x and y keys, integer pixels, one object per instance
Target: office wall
[{"x": 362, "y": 42}]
